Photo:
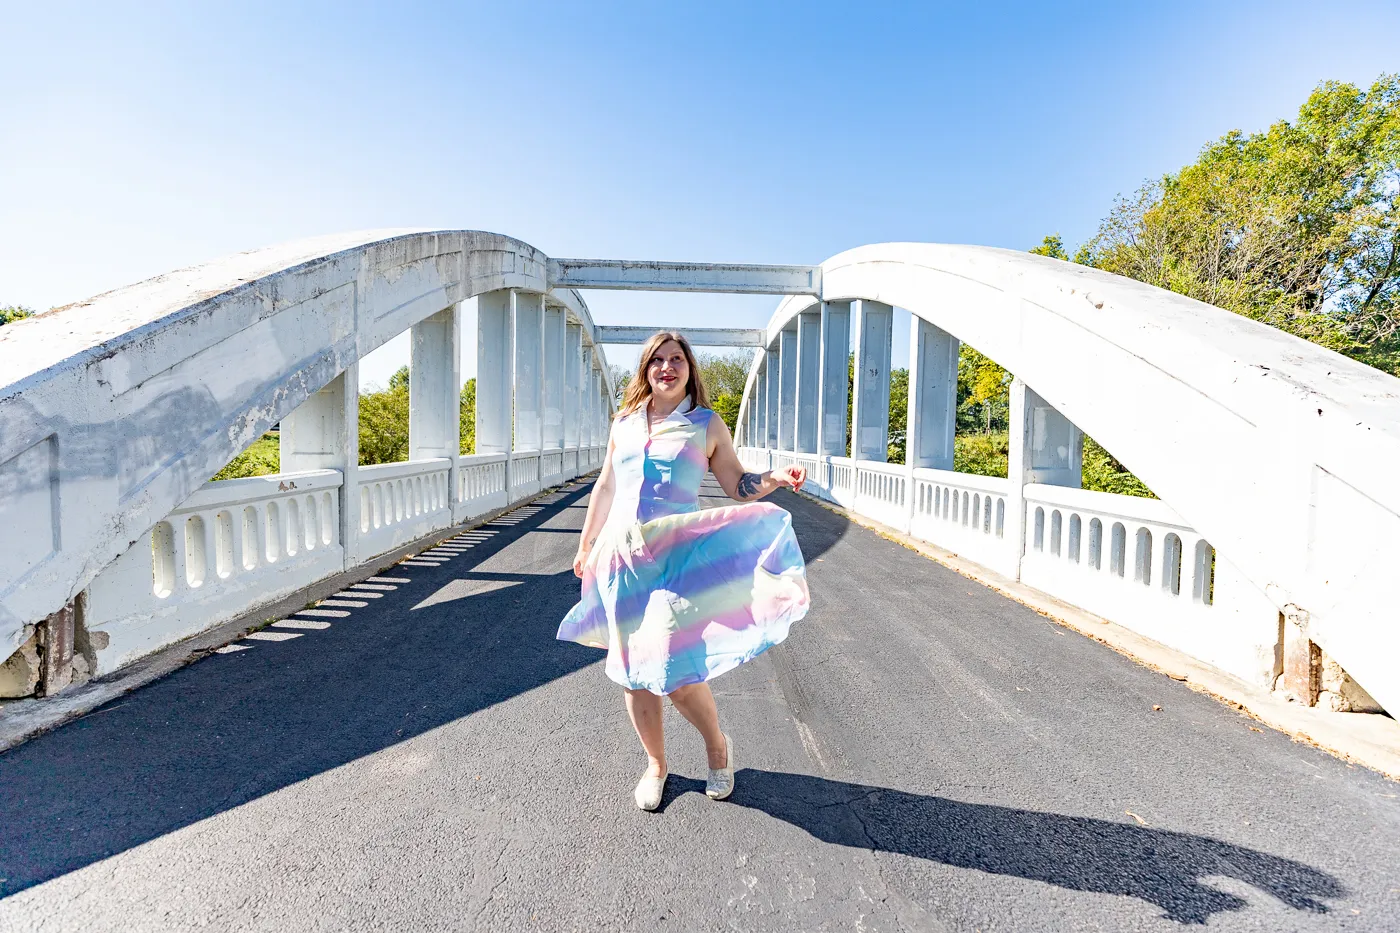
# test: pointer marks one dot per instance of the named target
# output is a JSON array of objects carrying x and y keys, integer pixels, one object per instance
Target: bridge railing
[
  {"x": 232, "y": 545},
  {"x": 1127, "y": 559}
]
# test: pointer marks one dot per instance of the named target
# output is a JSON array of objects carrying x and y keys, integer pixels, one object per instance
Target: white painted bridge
[{"x": 1268, "y": 555}]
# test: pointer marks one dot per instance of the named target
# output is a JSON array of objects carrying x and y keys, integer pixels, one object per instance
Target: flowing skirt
[{"x": 683, "y": 598}]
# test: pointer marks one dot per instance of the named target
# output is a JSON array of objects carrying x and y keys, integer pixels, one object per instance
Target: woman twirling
[{"x": 675, "y": 594}]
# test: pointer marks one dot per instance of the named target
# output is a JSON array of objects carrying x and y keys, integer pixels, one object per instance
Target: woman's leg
[
  {"x": 697, "y": 705},
  {"x": 645, "y": 709}
]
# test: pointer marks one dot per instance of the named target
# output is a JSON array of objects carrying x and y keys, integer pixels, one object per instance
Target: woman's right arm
[{"x": 599, "y": 504}]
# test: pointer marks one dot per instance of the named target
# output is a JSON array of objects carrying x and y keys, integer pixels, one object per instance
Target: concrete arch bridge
[{"x": 1267, "y": 558}]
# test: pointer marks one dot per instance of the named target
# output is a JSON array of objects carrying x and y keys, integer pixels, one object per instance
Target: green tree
[
  {"x": 262, "y": 458},
  {"x": 14, "y": 313},
  {"x": 1051, "y": 246},
  {"x": 724, "y": 377},
  {"x": 384, "y": 422},
  {"x": 899, "y": 415},
  {"x": 467, "y": 416},
  {"x": 1297, "y": 226}
]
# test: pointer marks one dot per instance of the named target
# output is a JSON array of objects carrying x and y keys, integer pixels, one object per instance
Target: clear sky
[{"x": 137, "y": 138}]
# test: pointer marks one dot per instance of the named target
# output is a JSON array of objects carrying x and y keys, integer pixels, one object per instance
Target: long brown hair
[{"x": 639, "y": 389}]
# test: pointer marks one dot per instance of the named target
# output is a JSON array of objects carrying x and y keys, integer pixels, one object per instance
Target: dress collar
[{"x": 677, "y": 416}]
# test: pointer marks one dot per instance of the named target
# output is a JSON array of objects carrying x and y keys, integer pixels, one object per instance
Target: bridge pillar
[
  {"x": 1045, "y": 447},
  {"x": 832, "y": 395},
  {"x": 588, "y": 430},
  {"x": 529, "y": 365},
  {"x": 495, "y": 348},
  {"x": 323, "y": 433},
  {"x": 933, "y": 396},
  {"x": 787, "y": 390},
  {"x": 573, "y": 386},
  {"x": 872, "y": 327},
  {"x": 434, "y": 389},
  {"x": 770, "y": 392},
  {"x": 552, "y": 378},
  {"x": 809, "y": 344}
]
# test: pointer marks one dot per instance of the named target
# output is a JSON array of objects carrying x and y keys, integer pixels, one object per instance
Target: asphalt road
[{"x": 921, "y": 754}]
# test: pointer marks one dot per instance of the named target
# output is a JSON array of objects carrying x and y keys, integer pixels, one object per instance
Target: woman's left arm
[{"x": 736, "y": 482}]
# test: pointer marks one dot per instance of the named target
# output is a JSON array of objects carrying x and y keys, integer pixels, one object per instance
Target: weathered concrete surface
[
  {"x": 921, "y": 754},
  {"x": 115, "y": 410},
  {"x": 1299, "y": 489}
]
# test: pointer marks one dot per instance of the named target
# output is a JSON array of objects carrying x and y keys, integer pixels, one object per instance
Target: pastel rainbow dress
[{"x": 676, "y": 594}]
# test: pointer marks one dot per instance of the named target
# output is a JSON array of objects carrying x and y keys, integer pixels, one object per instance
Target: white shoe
[
  {"x": 648, "y": 792},
  {"x": 721, "y": 782}
]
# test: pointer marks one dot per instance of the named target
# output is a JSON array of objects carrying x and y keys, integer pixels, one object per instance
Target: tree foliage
[
  {"x": 14, "y": 313},
  {"x": 1297, "y": 226},
  {"x": 467, "y": 416},
  {"x": 384, "y": 422},
  {"x": 724, "y": 376}
]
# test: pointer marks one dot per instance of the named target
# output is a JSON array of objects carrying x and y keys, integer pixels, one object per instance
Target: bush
[{"x": 262, "y": 458}]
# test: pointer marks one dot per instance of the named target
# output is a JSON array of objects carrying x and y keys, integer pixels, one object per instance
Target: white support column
[
  {"x": 760, "y": 400},
  {"x": 573, "y": 385},
  {"x": 872, "y": 324},
  {"x": 554, "y": 373},
  {"x": 529, "y": 356},
  {"x": 933, "y": 396},
  {"x": 787, "y": 390},
  {"x": 495, "y": 353},
  {"x": 809, "y": 348},
  {"x": 835, "y": 390},
  {"x": 434, "y": 422},
  {"x": 589, "y": 398},
  {"x": 323, "y": 433},
  {"x": 1045, "y": 447},
  {"x": 771, "y": 392}
]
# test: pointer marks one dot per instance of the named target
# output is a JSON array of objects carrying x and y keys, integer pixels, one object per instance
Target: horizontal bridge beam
[
  {"x": 698, "y": 336},
  {"x": 734, "y": 278}
]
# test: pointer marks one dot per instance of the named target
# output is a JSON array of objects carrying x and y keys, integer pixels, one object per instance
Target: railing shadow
[
  {"x": 1158, "y": 866},
  {"x": 234, "y": 727}
]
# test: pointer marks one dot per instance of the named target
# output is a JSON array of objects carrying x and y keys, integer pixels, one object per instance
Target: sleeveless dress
[{"x": 676, "y": 594}]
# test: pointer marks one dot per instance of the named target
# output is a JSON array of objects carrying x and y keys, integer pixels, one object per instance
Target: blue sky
[{"x": 139, "y": 138}]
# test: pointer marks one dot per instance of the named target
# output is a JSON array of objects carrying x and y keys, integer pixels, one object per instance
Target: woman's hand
[
  {"x": 580, "y": 559},
  {"x": 791, "y": 476}
]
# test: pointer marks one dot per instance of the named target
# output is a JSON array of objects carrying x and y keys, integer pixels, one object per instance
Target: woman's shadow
[{"x": 1078, "y": 853}]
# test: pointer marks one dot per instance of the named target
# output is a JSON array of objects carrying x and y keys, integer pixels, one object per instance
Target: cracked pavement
[{"x": 922, "y": 754}]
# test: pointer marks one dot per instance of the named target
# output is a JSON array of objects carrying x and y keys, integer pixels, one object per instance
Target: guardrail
[
  {"x": 230, "y": 546},
  {"x": 237, "y": 544},
  {"x": 401, "y": 502},
  {"x": 1128, "y": 559}
]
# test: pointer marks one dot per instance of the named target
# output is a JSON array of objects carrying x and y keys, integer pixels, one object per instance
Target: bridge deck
[{"x": 922, "y": 754}]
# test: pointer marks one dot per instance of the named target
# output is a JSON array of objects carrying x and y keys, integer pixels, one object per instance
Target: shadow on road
[
  {"x": 234, "y": 727},
  {"x": 1081, "y": 854}
]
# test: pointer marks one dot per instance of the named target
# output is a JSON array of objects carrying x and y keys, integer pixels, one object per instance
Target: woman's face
[{"x": 668, "y": 373}]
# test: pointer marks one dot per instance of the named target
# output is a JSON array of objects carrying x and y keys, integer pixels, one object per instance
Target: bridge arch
[
  {"x": 115, "y": 411},
  {"x": 1278, "y": 452}
]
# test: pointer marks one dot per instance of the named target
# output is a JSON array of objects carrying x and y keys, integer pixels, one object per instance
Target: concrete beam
[
  {"x": 698, "y": 336},
  {"x": 640, "y": 275}
]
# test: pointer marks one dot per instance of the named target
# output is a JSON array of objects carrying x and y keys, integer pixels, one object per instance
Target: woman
[{"x": 677, "y": 595}]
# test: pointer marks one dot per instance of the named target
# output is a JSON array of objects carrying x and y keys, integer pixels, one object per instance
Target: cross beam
[
  {"x": 636, "y": 275},
  {"x": 698, "y": 336}
]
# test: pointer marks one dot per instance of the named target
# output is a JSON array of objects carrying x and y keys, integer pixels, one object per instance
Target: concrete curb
[
  {"x": 1368, "y": 739},
  {"x": 21, "y": 720}
]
